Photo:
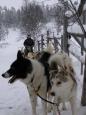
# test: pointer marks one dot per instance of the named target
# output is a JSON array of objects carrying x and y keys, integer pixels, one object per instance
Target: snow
[
  {"x": 14, "y": 99},
  {"x": 76, "y": 28},
  {"x": 68, "y": 13},
  {"x": 12, "y": 96}
]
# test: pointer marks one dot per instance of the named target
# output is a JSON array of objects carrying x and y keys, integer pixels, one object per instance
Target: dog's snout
[
  {"x": 53, "y": 93},
  {"x": 3, "y": 75}
]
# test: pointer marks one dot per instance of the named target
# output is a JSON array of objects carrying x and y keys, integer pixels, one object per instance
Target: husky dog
[
  {"x": 35, "y": 74},
  {"x": 63, "y": 83},
  {"x": 31, "y": 55},
  {"x": 61, "y": 59}
]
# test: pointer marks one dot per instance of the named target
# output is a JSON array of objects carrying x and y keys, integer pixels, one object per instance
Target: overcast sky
[
  {"x": 18, "y": 3},
  {"x": 9, "y": 3}
]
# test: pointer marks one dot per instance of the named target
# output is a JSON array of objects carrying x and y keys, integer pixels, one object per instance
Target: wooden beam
[
  {"x": 65, "y": 35},
  {"x": 82, "y": 53},
  {"x": 77, "y": 34},
  {"x": 83, "y": 98},
  {"x": 78, "y": 41}
]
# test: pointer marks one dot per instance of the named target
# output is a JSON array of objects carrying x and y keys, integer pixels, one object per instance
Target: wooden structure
[{"x": 83, "y": 99}]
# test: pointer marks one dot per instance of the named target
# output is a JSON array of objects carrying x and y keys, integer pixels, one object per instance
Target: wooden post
[
  {"x": 42, "y": 42},
  {"x": 82, "y": 46},
  {"x": 61, "y": 42},
  {"x": 38, "y": 46},
  {"x": 47, "y": 37},
  {"x": 53, "y": 35},
  {"x": 65, "y": 35},
  {"x": 83, "y": 99},
  {"x": 56, "y": 44}
]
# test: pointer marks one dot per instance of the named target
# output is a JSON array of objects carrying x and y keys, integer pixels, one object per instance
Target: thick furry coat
[
  {"x": 33, "y": 73},
  {"x": 62, "y": 79}
]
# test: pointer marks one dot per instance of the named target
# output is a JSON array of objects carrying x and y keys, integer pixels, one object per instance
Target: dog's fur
[
  {"x": 35, "y": 74},
  {"x": 63, "y": 83},
  {"x": 61, "y": 59},
  {"x": 43, "y": 55}
]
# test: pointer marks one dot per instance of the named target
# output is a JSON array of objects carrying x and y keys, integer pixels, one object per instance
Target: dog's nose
[
  {"x": 3, "y": 75},
  {"x": 53, "y": 93}
]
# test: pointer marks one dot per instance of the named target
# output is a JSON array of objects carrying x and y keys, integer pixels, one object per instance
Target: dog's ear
[{"x": 19, "y": 55}]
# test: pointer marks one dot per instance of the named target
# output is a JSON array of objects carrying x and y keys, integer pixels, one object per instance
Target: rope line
[
  {"x": 50, "y": 103},
  {"x": 36, "y": 91}
]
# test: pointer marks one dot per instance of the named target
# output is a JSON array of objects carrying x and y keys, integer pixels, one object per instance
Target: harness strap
[
  {"x": 36, "y": 91},
  {"x": 50, "y": 103}
]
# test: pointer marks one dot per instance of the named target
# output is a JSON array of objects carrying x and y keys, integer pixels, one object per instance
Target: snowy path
[{"x": 14, "y": 99}]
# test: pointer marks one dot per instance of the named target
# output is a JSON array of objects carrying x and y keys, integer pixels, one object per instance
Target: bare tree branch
[{"x": 80, "y": 8}]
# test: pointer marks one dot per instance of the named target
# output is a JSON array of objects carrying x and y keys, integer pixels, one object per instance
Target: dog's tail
[
  {"x": 50, "y": 48},
  {"x": 61, "y": 59}
]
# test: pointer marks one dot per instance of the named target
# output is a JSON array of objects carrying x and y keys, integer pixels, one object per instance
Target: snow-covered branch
[{"x": 81, "y": 5}]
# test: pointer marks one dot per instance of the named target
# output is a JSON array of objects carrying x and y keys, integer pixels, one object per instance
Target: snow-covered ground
[{"x": 14, "y": 99}]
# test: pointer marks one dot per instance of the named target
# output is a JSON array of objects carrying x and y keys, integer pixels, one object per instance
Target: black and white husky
[{"x": 35, "y": 74}]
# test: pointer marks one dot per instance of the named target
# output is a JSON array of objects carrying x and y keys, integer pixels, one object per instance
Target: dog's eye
[{"x": 58, "y": 83}]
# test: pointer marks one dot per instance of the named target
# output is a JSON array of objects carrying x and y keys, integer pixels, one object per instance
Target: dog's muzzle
[
  {"x": 5, "y": 75},
  {"x": 12, "y": 79}
]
